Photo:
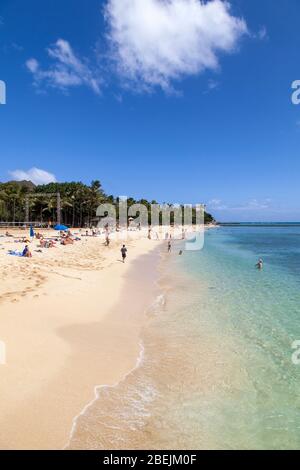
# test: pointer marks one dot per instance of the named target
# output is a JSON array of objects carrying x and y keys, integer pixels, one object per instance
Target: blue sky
[{"x": 186, "y": 103}]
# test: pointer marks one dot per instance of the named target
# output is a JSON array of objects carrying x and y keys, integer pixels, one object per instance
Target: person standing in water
[
  {"x": 260, "y": 264},
  {"x": 124, "y": 253}
]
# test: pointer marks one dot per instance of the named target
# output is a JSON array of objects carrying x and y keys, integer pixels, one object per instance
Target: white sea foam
[
  {"x": 97, "y": 392},
  {"x": 158, "y": 304}
]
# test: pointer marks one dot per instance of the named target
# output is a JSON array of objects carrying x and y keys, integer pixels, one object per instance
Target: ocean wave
[
  {"x": 156, "y": 306},
  {"x": 98, "y": 391}
]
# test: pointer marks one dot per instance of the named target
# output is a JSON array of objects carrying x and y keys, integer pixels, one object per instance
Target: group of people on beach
[{"x": 66, "y": 238}]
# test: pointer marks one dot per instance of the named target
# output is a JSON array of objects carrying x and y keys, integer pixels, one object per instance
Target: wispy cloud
[
  {"x": 262, "y": 33},
  {"x": 36, "y": 175},
  {"x": 216, "y": 204},
  {"x": 67, "y": 69},
  {"x": 252, "y": 205},
  {"x": 155, "y": 43},
  {"x": 212, "y": 85}
]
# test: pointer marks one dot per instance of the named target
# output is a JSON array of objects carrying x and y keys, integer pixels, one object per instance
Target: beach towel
[{"x": 15, "y": 253}]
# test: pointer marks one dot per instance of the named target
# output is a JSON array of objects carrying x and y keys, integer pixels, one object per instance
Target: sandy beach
[{"x": 70, "y": 320}]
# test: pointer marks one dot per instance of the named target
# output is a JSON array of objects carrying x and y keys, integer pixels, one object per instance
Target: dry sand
[{"x": 70, "y": 318}]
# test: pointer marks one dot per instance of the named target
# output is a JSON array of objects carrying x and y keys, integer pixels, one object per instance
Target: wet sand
[{"x": 70, "y": 318}]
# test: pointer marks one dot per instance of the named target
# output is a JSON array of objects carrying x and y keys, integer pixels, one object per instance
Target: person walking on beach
[
  {"x": 169, "y": 247},
  {"x": 124, "y": 253}
]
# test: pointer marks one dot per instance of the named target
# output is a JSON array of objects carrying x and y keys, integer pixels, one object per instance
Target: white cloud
[
  {"x": 252, "y": 205},
  {"x": 216, "y": 204},
  {"x": 32, "y": 65},
  {"x": 157, "y": 41},
  {"x": 67, "y": 70},
  {"x": 36, "y": 175}
]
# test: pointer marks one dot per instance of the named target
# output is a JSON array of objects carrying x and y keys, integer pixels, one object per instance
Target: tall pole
[
  {"x": 14, "y": 212},
  {"x": 27, "y": 210},
  {"x": 58, "y": 209}
]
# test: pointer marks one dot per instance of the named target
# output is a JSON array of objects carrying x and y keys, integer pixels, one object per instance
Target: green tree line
[{"x": 79, "y": 202}]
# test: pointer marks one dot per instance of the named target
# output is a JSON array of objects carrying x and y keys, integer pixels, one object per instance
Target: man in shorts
[{"x": 124, "y": 253}]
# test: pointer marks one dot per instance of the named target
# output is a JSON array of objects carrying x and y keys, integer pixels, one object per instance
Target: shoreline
[
  {"x": 156, "y": 252},
  {"x": 97, "y": 391},
  {"x": 118, "y": 416},
  {"x": 70, "y": 332}
]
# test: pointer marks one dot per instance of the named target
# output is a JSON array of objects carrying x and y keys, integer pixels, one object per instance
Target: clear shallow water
[{"x": 217, "y": 369}]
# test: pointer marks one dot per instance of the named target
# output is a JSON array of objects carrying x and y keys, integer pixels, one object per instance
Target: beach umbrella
[
  {"x": 61, "y": 228},
  {"x": 31, "y": 232}
]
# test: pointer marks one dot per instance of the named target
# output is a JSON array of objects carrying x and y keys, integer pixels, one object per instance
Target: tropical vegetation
[{"x": 22, "y": 201}]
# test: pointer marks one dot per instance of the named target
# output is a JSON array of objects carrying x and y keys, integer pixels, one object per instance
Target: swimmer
[{"x": 260, "y": 264}]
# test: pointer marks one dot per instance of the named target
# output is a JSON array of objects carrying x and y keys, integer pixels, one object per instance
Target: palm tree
[
  {"x": 95, "y": 197},
  {"x": 3, "y": 201}
]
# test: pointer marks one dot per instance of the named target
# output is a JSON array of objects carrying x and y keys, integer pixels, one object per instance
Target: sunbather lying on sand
[
  {"x": 47, "y": 243},
  {"x": 22, "y": 240},
  {"x": 67, "y": 241}
]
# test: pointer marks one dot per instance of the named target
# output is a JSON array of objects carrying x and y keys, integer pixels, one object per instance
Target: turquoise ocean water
[{"x": 216, "y": 369}]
